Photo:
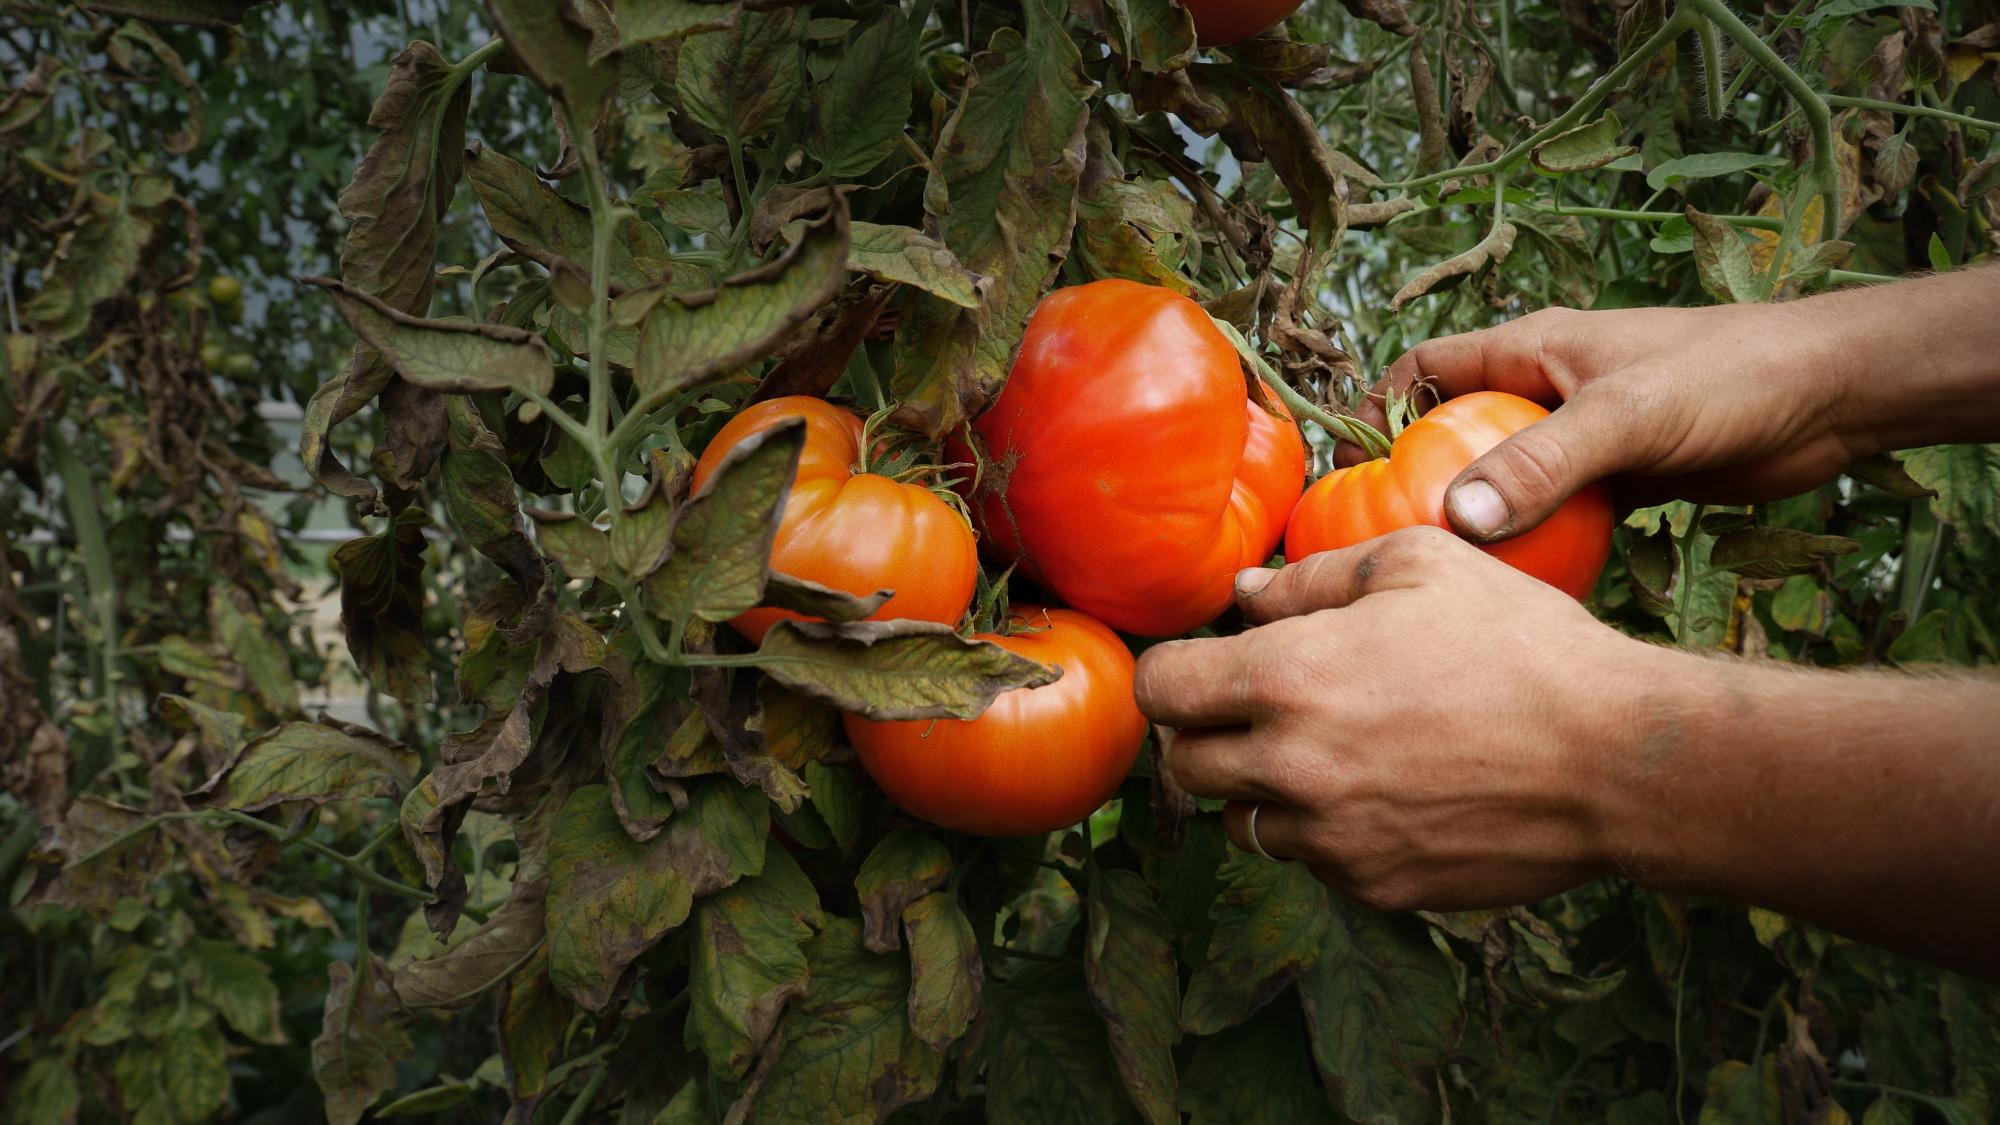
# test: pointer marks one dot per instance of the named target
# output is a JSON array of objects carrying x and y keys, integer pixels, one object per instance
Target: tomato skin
[
  {"x": 1407, "y": 488},
  {"x": 1218, "y": 23},
  {"x": 1128, "y": 470},
  {"x": 1039, "y": 759},
  {"x": 857, "y": 532}
]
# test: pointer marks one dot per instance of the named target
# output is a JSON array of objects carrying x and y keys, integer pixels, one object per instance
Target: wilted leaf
[
  {"x": 539, "y": 223},
  {"x": 1724, "y": 263},
  {"x": 382, "y": 606},
  {"x": 1775, "y": 552},
  {"x": 552, "y": 39},
  {"x": 206, "y": 13},
  {"x": 361, "y": 1041},
  {"x": 688, "y": 339},
  {"x": 313, "y": 762},
  {"x": 741, "y": 82},
  {"x": 843, "y": 1053},
  {"x": 895, "y": 669},
  {"x": 945, "y": 970},
  {"x": 610, "y": 897},
  {"x": 1003, "y": 189},
  {"x": 1133, "y": 970},
  {"x": 747, "y": 962},
  {"x": 907, "y": 865},
  {"x": 1382, "y": 1006},
  {"x": 484, "y": 507},
  {"x": 458, "y": 356},
  {"x": 911, "y": 257},
  {"x": 721, "y": 540},
  {"x": 1489, "y": 252},
  {"x": 802, "y": 595},
  {"x": 533, "y": 1017},
  {"x": 1271, "y": 921},
  {"x": 1966, "y": 479},
  {"x": 482, "y": 961}
]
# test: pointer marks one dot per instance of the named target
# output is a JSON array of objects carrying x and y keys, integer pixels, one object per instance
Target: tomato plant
[
  {"x": 1039, "y": 759},
  {"x": 852, "y": 530},
  {"x": 1406, "y": 488},
  {"x": 1125, "y": 467}
]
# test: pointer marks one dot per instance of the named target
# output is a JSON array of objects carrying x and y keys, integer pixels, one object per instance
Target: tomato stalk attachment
[{"x": 1344, "y": 426}]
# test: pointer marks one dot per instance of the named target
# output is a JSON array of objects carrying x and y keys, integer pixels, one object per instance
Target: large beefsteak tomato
[
  {"x": 1407, "y": 488},
  {"x": 855, "y": 531},
  {"x": 1038, "y": 759},
  {"x": 1218, "y": 23},
  {"x": 1128, "y": 471}
]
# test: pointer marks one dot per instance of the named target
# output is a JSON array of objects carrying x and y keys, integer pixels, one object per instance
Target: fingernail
[
  {"x": 1253, "y": 579},
  {"x": 1478, "y": 508}
]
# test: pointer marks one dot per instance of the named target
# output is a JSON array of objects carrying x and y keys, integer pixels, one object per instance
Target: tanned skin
[{"x": 1427, "y": 728}]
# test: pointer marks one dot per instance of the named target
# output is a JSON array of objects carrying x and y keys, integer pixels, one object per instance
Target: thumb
[{"x": 1519, "y": 482}]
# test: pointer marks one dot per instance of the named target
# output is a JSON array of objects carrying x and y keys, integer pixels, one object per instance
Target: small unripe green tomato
[
  {"x": 239, "y": 366},
  {"x": 224, "y": 289},
  {"x": 212, "y": 356}
]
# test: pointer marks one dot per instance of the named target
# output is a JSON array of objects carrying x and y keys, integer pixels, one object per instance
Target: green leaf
[
  {"x": 748, "y": 962},
  {"x": 533, "y": 1019},
  {"x": 221, "y": 731},
  {"x": 382, "y": 606},
  {"x": 360, "y": 1042},
  {"x": 741, "y": 83},
  {"x": 1588, "y": 146},
  {"x": 836, "y": 796},
  {"x": 240, "y": 628},
  {"x": 1706, "y": 166},
  {"x": 483, "y": 960},
  {"x": 457, "y": 356},
  {"x": 720, "y": 557},
  {"x": 1141, "y": 230},
  {"x": 1724, "y": 262},
  {"x": 47, "y": 1091},
  {"x": 1776, "y": 552},
  {"x": 580, "y": 547},
  {"x": 1842, "y": 9},
  {"x": 946, "y": 974},
  {"x": 611, "y": 897},
  {"x": 905, "y": 866},
  {"x": 1382, "y": 1007},
  {"x": 1157, "y": 34},
  {"x": 91, "y": 264},
  {"x": 313, "y": 762},
  {"x": 895, "y": 669},
  {"x": 648, "y": 710},
  {"x": 1256, "y": 1073},
  {"x": 484, "y": 506},
  {"x": 1922, "y": 642},
  {"x": 553, "y": 40},
  {"x": 1003, "y": 189},
  {"x": 689, "y": 339},
  {"x": 860, "y": 112},
  {"x": 1271, "y": 920},
  {"x": 1047, "y": 1061},
  {"x": 236, "y": 984},
  {"x": 844, "y": 1053},
  {"x": 1801, "y": 606},
  {"x": 1741, "y": 1094},
  {"x": 1133, "y": 971},
  {"x": 1885, "y": 472},
  {"x": 205, "y": 13}
]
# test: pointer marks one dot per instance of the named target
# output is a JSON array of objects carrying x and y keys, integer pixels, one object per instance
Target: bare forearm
[
  {"x": 1918, "y": 362},
  {"x": 1865, "y": 802}
]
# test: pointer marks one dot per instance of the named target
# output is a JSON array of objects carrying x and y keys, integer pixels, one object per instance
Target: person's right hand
[{"x": 1726, "y": 401}]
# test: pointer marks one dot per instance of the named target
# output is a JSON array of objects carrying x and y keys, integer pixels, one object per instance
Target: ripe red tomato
[
  {"x": 1221, "y": 22},
  {"x": 1407, "y": 488},
  {"x": 1129, "y": 472},
  {"x": 857, "y": 532},
  {"x": 1039, "y": 759}
]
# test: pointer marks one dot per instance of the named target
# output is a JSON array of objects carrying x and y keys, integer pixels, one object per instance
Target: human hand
[
  {"x": 1418, "y": 721},
  {"x": 1729, "y": 402}
]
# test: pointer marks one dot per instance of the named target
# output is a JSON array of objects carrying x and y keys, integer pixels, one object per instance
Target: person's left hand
[{"x": 1423, "y": 726}]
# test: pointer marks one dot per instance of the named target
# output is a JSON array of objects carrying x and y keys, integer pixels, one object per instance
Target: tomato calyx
[{"x": 1335, "y": 421}]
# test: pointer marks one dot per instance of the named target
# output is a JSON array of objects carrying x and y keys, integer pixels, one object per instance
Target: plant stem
[
  {"x": 1845, "y": 101},
  {"x": 603, "y": 229},
  {"x": 581, "y": 1105},
  {"x": 1338, "y": 425},
  {"x": 80, "y": 495},
  {"x": 1590, "y": 100},
  {"x": 1823, "y": 179},
  {"x": 1755, "y": 222},
  {"x": 1853, "y": 277}
]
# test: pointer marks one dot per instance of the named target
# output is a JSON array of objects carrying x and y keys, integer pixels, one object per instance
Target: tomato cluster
[{"x": 1126, "y": 469}]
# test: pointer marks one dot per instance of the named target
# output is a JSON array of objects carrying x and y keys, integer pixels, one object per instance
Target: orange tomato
[
  {"x": 858, "y": 532},
  {"x": 1407, "y": 488},
  {"x": 1128, "y": 470},
  {"x": 1039, "y": 759}
]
